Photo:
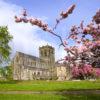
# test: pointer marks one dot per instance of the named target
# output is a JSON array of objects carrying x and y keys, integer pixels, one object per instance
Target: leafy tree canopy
[{"x": 5, "y": 49}]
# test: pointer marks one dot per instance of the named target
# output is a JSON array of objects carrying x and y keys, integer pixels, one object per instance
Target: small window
[
  {"x": 38, "y": 73},
  {"x": 45, "y": 53},
  {"x": 34, "y": 73}
]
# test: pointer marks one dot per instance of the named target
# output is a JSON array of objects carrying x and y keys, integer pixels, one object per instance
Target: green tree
[
  {"x": 6, "y": 72},
  {"x": 5, "y": 49}
]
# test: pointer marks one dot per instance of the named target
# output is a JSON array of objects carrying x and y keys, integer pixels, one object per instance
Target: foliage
[
  {"x": 6, "y": 72},
  {"x": 5, "y": 38},
  {"x": 1, "y": 72},
  {"x": 84, "y": 72},
  {"x": 88, "y": 49},
  {"x": 41, "y": 24},
  {"x": 9, "y": 72}
]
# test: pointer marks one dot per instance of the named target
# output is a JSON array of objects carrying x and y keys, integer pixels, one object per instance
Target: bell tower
[{"x": 47, "y": 53}]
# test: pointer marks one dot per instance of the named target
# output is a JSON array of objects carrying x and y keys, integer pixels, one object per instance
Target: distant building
[{"x": 28, "y": 67}]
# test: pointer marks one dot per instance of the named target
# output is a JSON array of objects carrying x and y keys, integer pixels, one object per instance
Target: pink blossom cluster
[
  {"x": 64, "y": 15},
  {"x": 96, "y": 18},
  {"x": 96, "y": 43},
  {"x": 32, "y": 21},
  {"x": 85, "y": 71},
  {"x": 97, "y": 72},
  {"x": 69, "y": 11}
]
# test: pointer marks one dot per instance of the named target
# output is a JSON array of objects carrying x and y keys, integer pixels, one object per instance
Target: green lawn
[
  {"x": 47, "y": 97},
  {"x": 48, "y": 85}
]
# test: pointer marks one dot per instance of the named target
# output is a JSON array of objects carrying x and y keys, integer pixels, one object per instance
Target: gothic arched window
[{"x": 45, "y": 53}]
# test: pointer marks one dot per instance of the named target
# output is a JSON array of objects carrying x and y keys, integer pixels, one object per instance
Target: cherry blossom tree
[{"x": 88, "y": 48}]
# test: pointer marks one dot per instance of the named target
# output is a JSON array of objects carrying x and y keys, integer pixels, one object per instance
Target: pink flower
[
  {"x": 75, "y": 71},
  {"x": 97, "y": 72},
  {"x": 88, "y": 69},
  {"x": 82, "y": 49}
]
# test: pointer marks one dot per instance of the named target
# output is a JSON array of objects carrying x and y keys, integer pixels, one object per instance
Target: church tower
[{"x": 47, "y": 53}]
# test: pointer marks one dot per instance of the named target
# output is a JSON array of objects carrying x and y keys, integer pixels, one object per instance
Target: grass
[
  {"x": 47, "y": 85},
  {"x": 47, "y": 97}
]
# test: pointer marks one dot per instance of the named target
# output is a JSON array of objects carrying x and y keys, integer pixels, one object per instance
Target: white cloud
[{"x": 25, "y": 37}]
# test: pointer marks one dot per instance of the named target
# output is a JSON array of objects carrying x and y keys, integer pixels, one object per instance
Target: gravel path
[{"x": 78, "y": 92}]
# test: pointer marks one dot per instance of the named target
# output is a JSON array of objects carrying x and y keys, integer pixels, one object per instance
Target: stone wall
[
  {"x": 61, "y": 73},
  {"x": 29, "y": 68}
]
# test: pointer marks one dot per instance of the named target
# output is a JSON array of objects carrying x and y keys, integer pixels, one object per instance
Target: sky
[{"x": 27, "y": 38}]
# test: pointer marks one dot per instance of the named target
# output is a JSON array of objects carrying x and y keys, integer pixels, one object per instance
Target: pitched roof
[{"x": 28, "y": 56}]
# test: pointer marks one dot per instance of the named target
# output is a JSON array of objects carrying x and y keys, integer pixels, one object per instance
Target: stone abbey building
[{"x": 28, "y": 67}]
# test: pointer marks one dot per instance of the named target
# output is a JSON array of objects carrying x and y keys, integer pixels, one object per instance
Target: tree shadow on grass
[
  {"x": 82, "y": 94},
  {"x": 81, "y": 97}
]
